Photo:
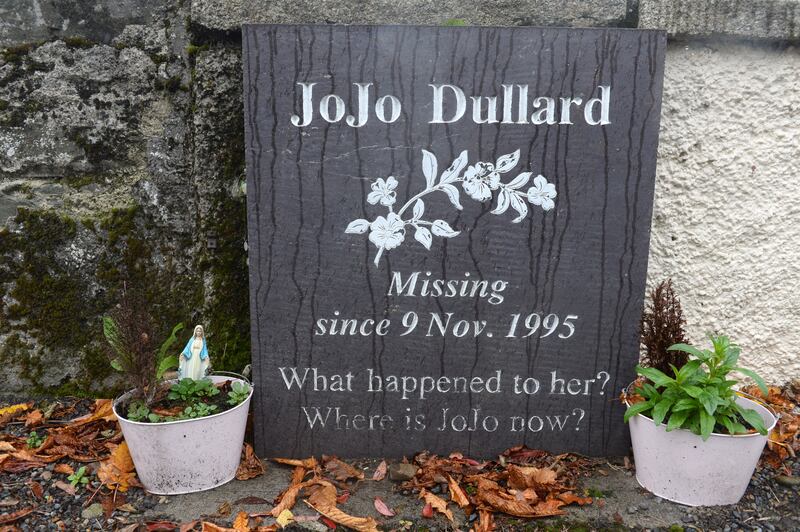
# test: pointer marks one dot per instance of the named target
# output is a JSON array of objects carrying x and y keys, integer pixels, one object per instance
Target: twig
[{"x": 93, "y": 495}]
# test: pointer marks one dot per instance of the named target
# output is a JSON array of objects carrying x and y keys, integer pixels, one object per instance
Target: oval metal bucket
[
  {"x": 681, "y": 467},
  {"x": 189, "y": 455}
]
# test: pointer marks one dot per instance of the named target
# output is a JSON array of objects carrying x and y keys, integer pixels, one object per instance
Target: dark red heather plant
[
  {"x": 129, "y": 330},
  {"x": 661, "y": 327}
]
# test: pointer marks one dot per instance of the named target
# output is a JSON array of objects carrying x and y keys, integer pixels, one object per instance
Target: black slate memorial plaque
[{"x": 448, "y": 235}]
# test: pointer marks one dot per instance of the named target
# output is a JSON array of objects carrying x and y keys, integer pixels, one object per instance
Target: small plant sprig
[
  {"x": 138, "y": 411},
  {"x": 700, "y": 397},
  {"x": 34, "y": 441},
  {"x": 79, "y": 477},
  {"x": 239, "y": 392},
  {"x": 197, "y": 410},
  {"x": 191, "y": 390}
]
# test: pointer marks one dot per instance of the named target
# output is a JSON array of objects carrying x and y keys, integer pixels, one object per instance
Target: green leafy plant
[
  {"x": 138, "y": 411},
  {"x": 699, "y": 397},
  {"x": 34, "y": 441},
  {"x": 79, "y": 477},
  {"x": 197, "y": 410},
  {"x": 239, "y": 392},
  {"x": 190, "y": 390},
  {"x": 129, "y": 331}
]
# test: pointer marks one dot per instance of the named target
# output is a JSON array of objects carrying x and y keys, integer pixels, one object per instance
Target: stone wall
[{"x": 121, "y": 159}]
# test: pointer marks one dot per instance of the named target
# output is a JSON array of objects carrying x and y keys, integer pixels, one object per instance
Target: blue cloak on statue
[{"x": 187, "y": 351}]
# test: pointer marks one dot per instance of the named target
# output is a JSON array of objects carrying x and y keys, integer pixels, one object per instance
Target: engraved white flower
[
  {"x": 480, "y": 179},
  {"x": 542, "y": 193},
  {"x": 383, "y": 192},
  {"x": 387, "y": 233}
]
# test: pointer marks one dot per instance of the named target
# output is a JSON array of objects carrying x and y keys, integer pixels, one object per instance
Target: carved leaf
[
  {"x": 423, "y": 236},
  {"x": 357, "y": 226},
  {"x": 453, "y": 195},
  {"x": 503, "y": 201},
  {"x": 419, "y": 209},
  {"x": 520, "y": 181},
  {"x": 443, "y": 229},
  {"x": 451, "y": 174},
  {"x": 429, "y": 167},
  {"x": 507, "y": 162},
  {"x": 518, "y": 205}
]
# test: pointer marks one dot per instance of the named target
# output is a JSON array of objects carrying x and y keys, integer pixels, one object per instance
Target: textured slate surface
[{"x": 582, "y": 263}]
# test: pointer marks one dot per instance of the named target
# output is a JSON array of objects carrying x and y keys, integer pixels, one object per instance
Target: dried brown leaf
[
  {"x": 568, "y": 498},
  {"x": 118, "y": 472},
  {"x": 427, "y": 511},
  {"x": 549, "y": 508},
  {"x": 457, "y": 494},
  {"x": 298, "y": 473},
  {"x": 341, "y": 470},
  {"x": 207, "y": 526},
  {"x": 12, "y": 412},
  {"x": 485, "y": 522},
  {"x": 14, "y": 516},
  {"x": 36, "y": 489},
  {"x": 522, "y": 454},
  {"x": 64, "y": 469},
  {"x": 160, "y": 526},
  {"x": 111, "y": 503},
  {"x": 287, "y": 499},
  {"x": 437, "y": 503},
  {"x": 34, "y": 418},
  {"x": 494, "y": 496},
  {"x": 359, "y": 524},
  {"x": 187, "y": 527},
  {"x": 308, "y": 463},
  {"x": 7, "y": 446},
  {"x": 102, "y": 410},
  {"x": 380, "y": 471},
  {"x": 242, "y": 522},
  {"x": 63, "y": 486},
  {"x": 224, "y": 509},
  {"x": 251, "y": 465},
  {"x": 523, "y": 477},
  {"x": 383, "y": 508}
]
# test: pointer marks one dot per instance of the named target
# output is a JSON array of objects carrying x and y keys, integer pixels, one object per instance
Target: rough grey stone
[
  {"x": 763, "y": 19},
  {"x": 400, "y": 472},
  {"x": 93, "y": 511},
  {"x": 230, "y": 14},
  {"x": 23, "y": 21},
  {"x": 64, "y": 103}
]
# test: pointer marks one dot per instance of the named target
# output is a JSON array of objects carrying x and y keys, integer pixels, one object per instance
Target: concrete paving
[{"x": 619, "y": 502}]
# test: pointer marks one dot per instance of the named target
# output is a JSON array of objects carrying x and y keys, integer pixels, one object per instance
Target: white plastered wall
[{"x": 726, "y": 220}]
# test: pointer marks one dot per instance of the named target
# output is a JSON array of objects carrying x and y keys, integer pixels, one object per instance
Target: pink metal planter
[
  {"x": 681, "y": 467},
  {"x": 189, "y": 455}
]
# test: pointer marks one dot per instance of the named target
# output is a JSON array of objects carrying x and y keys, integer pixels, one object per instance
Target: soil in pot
[{"x": 186, "y": 399}]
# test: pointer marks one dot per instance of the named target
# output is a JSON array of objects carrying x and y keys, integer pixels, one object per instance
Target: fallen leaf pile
[
  {"x": 784, "y": 441},
  {"x": 94, "y": 439},
  {"x": 522, "y": 482},
  {"x": 87, "y": 439}
]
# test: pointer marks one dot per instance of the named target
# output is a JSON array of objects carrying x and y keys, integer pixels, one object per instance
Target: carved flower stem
[{"x": 425, "y": 192}]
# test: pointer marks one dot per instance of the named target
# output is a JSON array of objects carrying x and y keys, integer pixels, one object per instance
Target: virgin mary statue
[{"x": 194, "y": 359}]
